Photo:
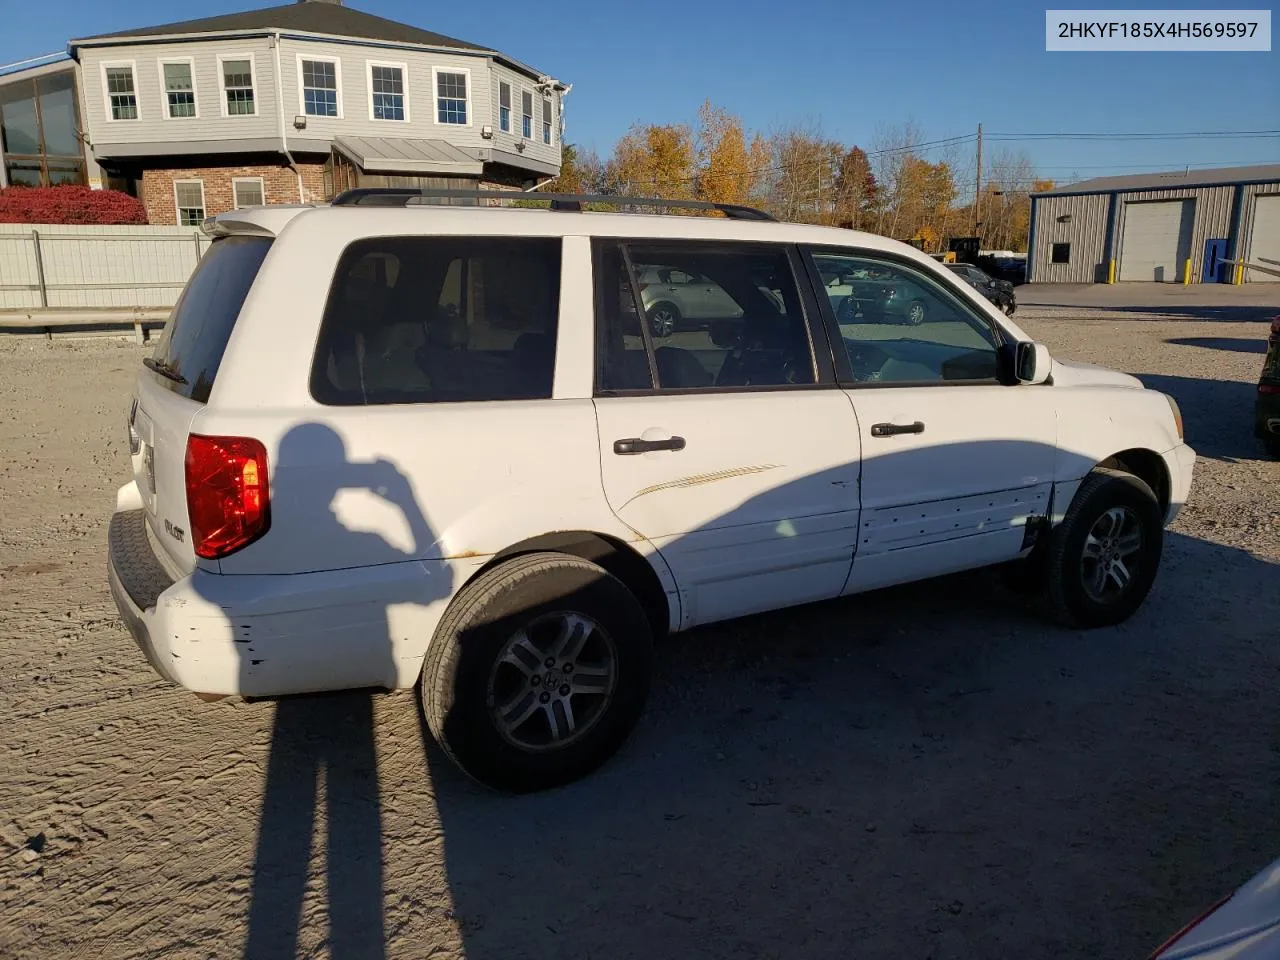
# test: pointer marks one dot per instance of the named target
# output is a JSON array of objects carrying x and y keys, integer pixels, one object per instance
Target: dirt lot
[{"x": 924, "y": 772}]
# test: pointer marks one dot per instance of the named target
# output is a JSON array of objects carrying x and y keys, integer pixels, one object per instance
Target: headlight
[{"x": 1177, "y": 415}]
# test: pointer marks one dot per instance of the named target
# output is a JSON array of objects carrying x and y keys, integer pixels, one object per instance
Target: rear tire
[
  {"x": 1271, "y": 442},
  {"x": 1103, "y": 557},
  {"x": 916, "y": 313},
  {"x": 537, "y": 673}
]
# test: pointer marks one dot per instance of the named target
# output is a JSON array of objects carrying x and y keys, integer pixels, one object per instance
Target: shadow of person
[{"x": 329, "y": 739}]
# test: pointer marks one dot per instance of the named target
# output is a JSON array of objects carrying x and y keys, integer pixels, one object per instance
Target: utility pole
[{"x": 977, "y": 187}]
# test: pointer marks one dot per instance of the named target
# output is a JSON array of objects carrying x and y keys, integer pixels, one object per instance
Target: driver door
[{"x": 957, "y": 459}]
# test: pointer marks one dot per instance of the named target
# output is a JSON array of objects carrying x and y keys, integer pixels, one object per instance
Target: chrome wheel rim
[
  {"x": 552, "y": 681},
  {"x": 1112, "y": 553},
  {"x": 663, "y": 320},
  {"x": 915, "y": 313}
]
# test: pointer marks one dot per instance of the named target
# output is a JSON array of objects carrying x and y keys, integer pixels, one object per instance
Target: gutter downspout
[{"x": 284, "y": 138}]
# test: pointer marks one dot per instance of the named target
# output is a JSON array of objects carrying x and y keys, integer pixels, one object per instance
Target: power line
[{"x": 1190, "y": 135}]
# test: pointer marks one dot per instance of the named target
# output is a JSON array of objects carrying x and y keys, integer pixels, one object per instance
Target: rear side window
[
  {"x": 191, "y": 346},
  {"x": 439, "y": 320},
  {"x": 698, "y": 315}
]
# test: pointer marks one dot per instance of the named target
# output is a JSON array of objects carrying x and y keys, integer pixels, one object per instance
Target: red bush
[{"x": 69, "y": 204}]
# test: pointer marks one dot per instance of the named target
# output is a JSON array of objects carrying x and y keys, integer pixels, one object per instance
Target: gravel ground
[{"x": 929, "y": 771}]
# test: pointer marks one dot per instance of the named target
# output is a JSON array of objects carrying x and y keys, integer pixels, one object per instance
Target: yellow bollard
[
  {"x": 1237, "y": 275},
  {"x": 1186, "y": 272},
  {"x": 1111, "y": 271}
]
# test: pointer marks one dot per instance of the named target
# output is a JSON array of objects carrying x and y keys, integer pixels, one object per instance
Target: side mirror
[{"x": 1032, "y": 362}]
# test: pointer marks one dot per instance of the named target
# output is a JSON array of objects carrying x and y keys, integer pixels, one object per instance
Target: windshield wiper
[{"x": 161, "y": 367}]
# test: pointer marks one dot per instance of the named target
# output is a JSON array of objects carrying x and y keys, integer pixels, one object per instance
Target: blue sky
[{"x": 853, "y": 69}]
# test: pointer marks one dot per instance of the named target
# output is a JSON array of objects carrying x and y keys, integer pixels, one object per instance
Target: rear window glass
[
  {"x": 191, "y": 346},
  {"x": 438, "y": 320}
]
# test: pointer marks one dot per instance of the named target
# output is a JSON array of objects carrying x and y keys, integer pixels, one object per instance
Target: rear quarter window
[
  {"x": 439, "y": 320},
  {"x": 191, "y": 346}
]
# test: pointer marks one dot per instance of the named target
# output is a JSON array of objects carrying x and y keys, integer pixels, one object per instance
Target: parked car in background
[
  {"x": 1267, "y": 406},
  {"x": 1007, "y": 268},
  {"x": 999, "y": 292},
  {"x": 1242, "y": 926}
]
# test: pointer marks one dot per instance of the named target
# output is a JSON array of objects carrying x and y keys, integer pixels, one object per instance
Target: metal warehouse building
[{"x": 1162, "y": 227}]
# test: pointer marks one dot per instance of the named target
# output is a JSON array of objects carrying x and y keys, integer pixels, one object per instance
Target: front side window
[
  {"x": 698, "y": 315},
  {"x": 504, "y": 107},
  {"x": 319, "y": 88},
  {"x": 122, "y": 96},
  {"x": 189, "y": 199},
  {"x": 451, "y": 97},
  {"x": 237, "y": 84},
  {"x": 439, "y": 320},
  {"x": 386, "y": 84},
  {"x": 247, "y": 192},
  {"x": 179, "y": 90},
  {"x": 526, "y": 114},
  {"x": 546, "y": 121},
  {"x": 899, "y": 325}
]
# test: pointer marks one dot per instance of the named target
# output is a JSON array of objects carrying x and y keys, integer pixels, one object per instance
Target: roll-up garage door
[
  {"x": 1264, "y": 237},
  {"x": 1157, "y": 240}
]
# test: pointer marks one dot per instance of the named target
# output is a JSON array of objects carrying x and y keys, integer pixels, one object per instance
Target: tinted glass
[
  {"x": 1061, "y": 253},
  {"x": 58, "y": 115},
  {"x": 718, "y": 315},
  {"x": 440, "y": 319},
  {"x": 196, "y": 335},
  {"x": 900, "y": 325},
  {"x": 18, "y": 117}
]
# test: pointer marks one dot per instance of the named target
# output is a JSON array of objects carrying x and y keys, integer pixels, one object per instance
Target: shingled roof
[{"x": 308, "y": 16}]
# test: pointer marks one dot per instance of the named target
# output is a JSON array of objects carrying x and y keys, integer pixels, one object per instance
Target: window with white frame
[
  {"x": 386, "y": 92},
  {"x": 504, "y": 107},
  {"x": 526, "y": 114},
  {"x": 237, "y": 86},
  {"x": 122, "y": 95},
  {"x": 451, "y": 97},
  {"x": 188, "y": 196},
  {"x": 320, "y": 88},
  {"x": 247, "y": 192},
  {"x": 179, "y": 88},
  {"x": 546, "y": 120}
]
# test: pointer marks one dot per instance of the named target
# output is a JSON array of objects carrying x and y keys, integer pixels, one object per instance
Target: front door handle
[
  {"x": 633, "y": 445},
  {"x": 893, "y": 429}
]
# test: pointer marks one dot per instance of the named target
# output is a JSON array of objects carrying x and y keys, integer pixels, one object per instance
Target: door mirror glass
[{"x": 1032, "y": 363}]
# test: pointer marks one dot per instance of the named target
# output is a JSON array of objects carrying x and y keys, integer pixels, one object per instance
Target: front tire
[
  {"x": 916, "y": 313},
  {"x": 537, "y": 673},
  {"x": 1104, "y": 555}
]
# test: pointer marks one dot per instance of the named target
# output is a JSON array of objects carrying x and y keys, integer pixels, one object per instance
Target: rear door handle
[
  {"x": 633, "y": 445},
  {"x": 893, "y": 429}
]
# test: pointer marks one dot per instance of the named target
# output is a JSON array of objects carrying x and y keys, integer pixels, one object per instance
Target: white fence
[{"x": 57, "y": 266}]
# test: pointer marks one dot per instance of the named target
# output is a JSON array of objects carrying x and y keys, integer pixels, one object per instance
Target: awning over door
[{"x": 405, "y": 156}]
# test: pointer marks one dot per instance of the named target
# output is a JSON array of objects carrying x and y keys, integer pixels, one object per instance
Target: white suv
[{"x": 380, "y": 446}]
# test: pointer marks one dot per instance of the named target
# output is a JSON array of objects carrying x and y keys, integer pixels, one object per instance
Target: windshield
[{"x": 190, "y": 348}]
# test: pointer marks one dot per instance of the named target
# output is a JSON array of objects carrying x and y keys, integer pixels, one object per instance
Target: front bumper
[{"x": 1181, "y": 464}]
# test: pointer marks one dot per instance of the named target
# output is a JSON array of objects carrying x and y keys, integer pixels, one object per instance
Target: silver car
[{"x": 1242, "y": 926}]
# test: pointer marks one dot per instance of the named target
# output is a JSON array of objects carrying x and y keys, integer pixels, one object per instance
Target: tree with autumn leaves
[{"x": 800, "y": 175}]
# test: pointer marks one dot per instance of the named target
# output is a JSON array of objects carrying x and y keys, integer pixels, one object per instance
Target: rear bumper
[{"x": 272, "y": 635}]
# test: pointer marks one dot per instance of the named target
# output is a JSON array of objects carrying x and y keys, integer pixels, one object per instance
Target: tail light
[{"x": 228, "y": 501}]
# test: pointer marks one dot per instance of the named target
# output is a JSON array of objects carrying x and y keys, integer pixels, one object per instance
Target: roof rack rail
[{"x": 406, "y": 196}]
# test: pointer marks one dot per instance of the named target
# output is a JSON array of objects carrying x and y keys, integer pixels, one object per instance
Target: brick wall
[{"x": 279, "y": 183}]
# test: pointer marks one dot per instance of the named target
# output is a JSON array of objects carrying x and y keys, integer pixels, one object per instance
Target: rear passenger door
[{"x": 729, "y": 447}]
